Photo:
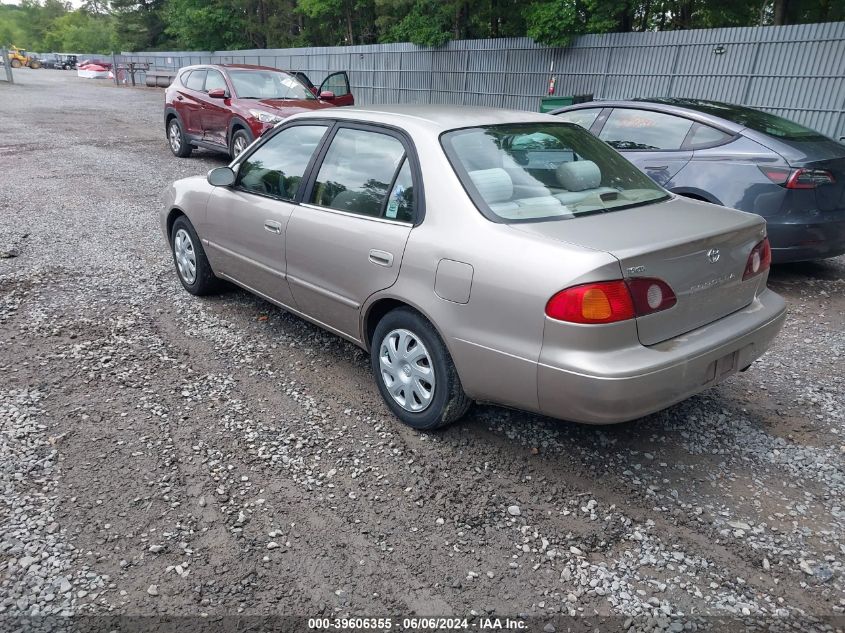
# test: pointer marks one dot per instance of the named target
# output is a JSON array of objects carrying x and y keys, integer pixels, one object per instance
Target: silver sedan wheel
[
  {"x": 407, "y": 370},
  {"x": 238, "y": 145},
  {"x": 186, "y": 257},
  {"x": 174, "y": 135}
]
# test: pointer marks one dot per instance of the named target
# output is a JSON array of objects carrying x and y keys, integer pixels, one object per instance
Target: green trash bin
[{"x": 547, "y": 104}]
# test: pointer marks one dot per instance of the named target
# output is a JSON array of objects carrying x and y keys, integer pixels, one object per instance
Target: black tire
[
  {"x": 204, "y": 281},
  {"x": 176, "y": 139},
  {"x": 240, "y": 139},
  {"x": 15, "y": 63},
  {"x": 448, "y": 401}
]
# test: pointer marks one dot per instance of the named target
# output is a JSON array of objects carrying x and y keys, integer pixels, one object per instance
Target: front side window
[
  {"x": 544, "y": 171},
  {"x": 585, "y": 118},
  {"x": 196, "y": 80},
  {"x": 215, "y": 81},
  {"x": 357, "y": 174},
  {"x": 268, "y": 84},
  {"x": 629, "y": 129},
  {"x": 276, "y": 168},
  {"x": 337, "y": 83}
]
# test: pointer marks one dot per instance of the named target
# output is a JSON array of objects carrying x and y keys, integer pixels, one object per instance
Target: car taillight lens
[
  {"x": 809, "y": 179},
  {"x": 610, "y": 301},
  {"x": 759, "y": 260},
  {"x": 798, "y": 178},
  {"x": 650, "y": 295}
]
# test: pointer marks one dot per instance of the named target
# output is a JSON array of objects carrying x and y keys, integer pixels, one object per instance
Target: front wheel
[
  {"x": 192, "y": 265},
  {"x": 15, "y": 63},
  {"x": 240, "y": 139},
  {"x": 415, "y": 373}
]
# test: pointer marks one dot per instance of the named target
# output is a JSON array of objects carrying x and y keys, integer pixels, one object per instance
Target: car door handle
[
  {"x": 273, "y": 226},
  {"x": 381, "y": 258},
  {"x": 657, "y": 166}
]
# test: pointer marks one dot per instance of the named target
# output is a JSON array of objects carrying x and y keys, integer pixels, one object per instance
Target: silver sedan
[{"x": 484, "y": 255}]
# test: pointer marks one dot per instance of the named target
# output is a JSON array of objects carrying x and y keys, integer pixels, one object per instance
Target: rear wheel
[
  {"x": 415, "y": 373},
  {"x": 240, "y": 139},
  {"x": 35, "y": 65},
  {"x": 176, "y": 139},
  {"x": 15, "y": 63}
]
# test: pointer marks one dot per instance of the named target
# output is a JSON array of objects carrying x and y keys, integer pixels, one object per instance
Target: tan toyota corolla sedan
[{"x": 483, "y": 254}]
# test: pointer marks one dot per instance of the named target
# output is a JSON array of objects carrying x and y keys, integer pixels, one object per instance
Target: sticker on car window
[{"x": 395, "y": 201}]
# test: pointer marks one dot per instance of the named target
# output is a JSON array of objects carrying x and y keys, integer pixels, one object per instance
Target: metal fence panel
[{"x": 794, "y": 71}]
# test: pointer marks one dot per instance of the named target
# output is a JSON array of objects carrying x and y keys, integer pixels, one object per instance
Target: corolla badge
[{"x": 713, "y": 255}]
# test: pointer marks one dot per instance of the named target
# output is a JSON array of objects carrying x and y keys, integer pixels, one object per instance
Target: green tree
[
  {"x": 81, "y": 31},
  {"x": 205, "y": 25}
]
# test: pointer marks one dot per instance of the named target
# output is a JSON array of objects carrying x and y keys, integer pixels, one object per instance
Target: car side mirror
[
  {"x": 327, "y": 95},
  {"x": 217, "y": 93},
  {"x": 221, "y": 177}
]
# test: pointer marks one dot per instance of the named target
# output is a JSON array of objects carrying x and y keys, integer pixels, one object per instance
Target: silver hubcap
[
  {"x": 407, "y": 370},
  {"x": 239, "y": 145},
  {"x": 175, "y": 137},
  {"x": 186, "y": 258}
]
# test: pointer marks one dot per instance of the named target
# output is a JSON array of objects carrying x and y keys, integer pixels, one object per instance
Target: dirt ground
[{"x": 162, "y": 454}]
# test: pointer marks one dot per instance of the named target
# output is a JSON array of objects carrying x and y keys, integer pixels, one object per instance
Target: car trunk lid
[
  {"x": 817, "y": 152},
  {"x": 700, "y": 250}
]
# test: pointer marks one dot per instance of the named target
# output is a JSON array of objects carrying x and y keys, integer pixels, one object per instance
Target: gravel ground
[{"x": 162, "y": 454}]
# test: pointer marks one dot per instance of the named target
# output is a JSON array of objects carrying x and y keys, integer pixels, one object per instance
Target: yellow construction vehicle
[{"x": 18, "y": 58}]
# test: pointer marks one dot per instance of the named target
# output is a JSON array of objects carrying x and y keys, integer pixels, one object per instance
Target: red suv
[{"x": 224, "y": 107}]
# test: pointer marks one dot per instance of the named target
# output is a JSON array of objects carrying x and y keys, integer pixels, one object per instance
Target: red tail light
[
  {"x": 759, "y": 260},
  {"x": 809, "y": 179},
  {"x": 798, "y": 178},
  {"x": 610, "y": 301}
]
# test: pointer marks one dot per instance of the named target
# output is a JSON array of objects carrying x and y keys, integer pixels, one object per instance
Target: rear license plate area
[{"x": 721, "y": 367}]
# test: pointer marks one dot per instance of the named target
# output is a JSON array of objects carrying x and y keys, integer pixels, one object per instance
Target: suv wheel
[
  {"x": 415, "y": 373},
  {"x": 176, "y": 139},
  {"x": 240, "y": 139}
]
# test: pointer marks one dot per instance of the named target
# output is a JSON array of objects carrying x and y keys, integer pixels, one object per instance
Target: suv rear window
[{"x": 544, "y": 171}]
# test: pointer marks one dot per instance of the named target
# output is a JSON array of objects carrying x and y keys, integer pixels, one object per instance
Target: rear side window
[
  {"x": 585, "y": 118},
  {"x": 195, "y": 80},
  {"x": 357, "y": 174},
  {"x": 703, "y": 136},
  {"x": 629, "y": 129},
  {"x": 276, "y": 168},
  {"x": 400, "y": 204}
]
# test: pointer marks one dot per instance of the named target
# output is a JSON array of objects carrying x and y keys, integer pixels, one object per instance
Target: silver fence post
[
  {"x": 7, "y": 66},
  {"x": 114, "y": 69}
]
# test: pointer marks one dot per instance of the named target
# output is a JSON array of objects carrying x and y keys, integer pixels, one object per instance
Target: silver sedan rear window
[{"x": 544, "y": 171}]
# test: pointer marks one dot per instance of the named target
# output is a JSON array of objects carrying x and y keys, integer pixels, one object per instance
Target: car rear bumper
[
  {"x": 808, "y": 240},
  {"x": 641, "y": 380}
]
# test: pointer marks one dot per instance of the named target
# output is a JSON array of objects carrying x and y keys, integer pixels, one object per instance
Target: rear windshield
[
  {"x": 757, "y": 120},
  {"x": 544, "y": 171},
  {"x": 268, "y": 84}
]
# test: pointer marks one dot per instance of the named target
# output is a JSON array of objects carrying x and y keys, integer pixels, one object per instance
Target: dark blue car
[{"x": 737, "y": 157}]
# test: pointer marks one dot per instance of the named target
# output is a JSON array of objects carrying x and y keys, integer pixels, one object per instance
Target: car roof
[
  {"x": 437, "y": 118},
  {"x": 688, "y": 108},
  {"x": 233, "y": 66}
]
